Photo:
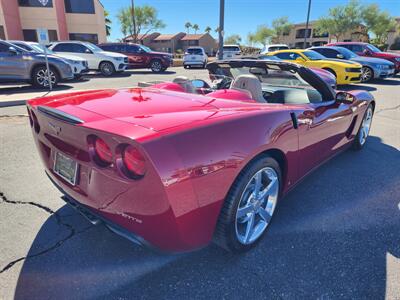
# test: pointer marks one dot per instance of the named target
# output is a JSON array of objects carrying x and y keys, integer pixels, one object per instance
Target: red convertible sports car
[{"x": 169, "y": 168}]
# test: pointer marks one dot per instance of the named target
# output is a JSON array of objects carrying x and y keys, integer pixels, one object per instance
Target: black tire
[
  {"x": 359, "y": 142},
  {"x": 39, "y": 77},
  {"x": 331, "y": 71},
  {"x": 367, "y": 74},
  {"x": 156, "y": 66},
  {"x": 107, "y": 68},
  {"x": 225, "y": 234}
]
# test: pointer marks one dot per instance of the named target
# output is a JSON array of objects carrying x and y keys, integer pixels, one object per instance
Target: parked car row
[
  {"x": 72, "y": 59},
  {"x": 375, "y": 64}
]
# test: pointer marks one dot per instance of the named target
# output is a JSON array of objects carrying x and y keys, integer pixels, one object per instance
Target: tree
[
  {"x": 195, "y": 28},
  {"x": 251, "y": 39},
  {"x": 108, "y": 22},
  {"x": 378, "y": 22},
  {"x": 146, "y": 21},
  {"x": 216, "y": 29},
  {"x": 262, "y": 35},
  {"x": 207, "y": 29},
  {"x": 281, "y": 26},
  {"x": 188, "y": 25},
  {"x": 341, "y": 19},
  {"x": 233, "y": 39}
]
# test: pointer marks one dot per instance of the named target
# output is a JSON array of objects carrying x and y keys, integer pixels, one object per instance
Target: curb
[{"x": 12, "y": 103}]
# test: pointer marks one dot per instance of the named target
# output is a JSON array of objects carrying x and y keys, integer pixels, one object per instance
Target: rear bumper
[{"x": 96, "y": 219}]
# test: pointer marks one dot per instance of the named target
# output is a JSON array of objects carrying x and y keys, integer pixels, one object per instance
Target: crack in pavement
[
  {"x": 72, "y": 231},
  {"x": 388, "y": 109}
]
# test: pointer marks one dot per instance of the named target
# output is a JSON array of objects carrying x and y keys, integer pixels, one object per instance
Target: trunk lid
[{"x": 153, "y": 109}]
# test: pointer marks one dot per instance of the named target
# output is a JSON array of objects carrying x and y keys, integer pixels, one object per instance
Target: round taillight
[
  {"x": 103, "y": 151},
  {"x": 134, "y": 161}
]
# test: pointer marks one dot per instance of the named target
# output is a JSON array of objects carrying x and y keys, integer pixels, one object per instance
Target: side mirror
[
  {"x": 343, "y": 97},
  {"x": 13, "y": 51},
  {"x": 87, "y": 51},
  {"x": 300, "y": 60},
  {"x": 340, "y": 56},
  {"x": 198, "y": 84}
]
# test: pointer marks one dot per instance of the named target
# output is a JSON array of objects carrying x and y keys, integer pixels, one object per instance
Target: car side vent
[{"x": 59, "y": 115}]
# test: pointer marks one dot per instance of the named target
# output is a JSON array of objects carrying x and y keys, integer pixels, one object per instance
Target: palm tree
[
  {"x": 208, "y": 29},
  {"x": 216, "y": 29},
  {"x": 108, "y": 22},
  {"x": 188, "y": 25},
  {"x": 195, "y": 28}
]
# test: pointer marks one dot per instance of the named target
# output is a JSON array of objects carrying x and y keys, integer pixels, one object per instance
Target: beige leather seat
[
  {"x": 250, "y": 83},
  {"x": 185, "y": 83}
]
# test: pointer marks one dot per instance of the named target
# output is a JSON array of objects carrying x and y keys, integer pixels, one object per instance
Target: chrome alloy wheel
[
  {"x": 107, "y": 69},
  {"x": 366, "y": 74},
  {"x": 42, "y": 78},
  {"x": 257, "y": 205},
  {"x": 365, "y": 126},
  {"x": 156, "y": 66}
]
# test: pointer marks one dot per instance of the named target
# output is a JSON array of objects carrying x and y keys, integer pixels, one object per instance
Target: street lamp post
[
  {"x": 133, "y": 21},
  {"x": 221, "y": 29},
  {"x": 308, "y": 20}
]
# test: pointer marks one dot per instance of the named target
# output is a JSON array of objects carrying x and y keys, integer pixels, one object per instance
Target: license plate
[
  {"x": 65, "y": 167},
  {"x": 193, "y": 57}
]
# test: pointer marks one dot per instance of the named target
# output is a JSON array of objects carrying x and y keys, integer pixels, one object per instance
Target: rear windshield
[
  {"x": 232, "y": 48},
  {"x": 194, "y": 51}
]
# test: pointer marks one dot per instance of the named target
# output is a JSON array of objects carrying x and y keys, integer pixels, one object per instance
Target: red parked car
[
  {"x": 165, "y": 167},
  {"x": 140, "y": 56},
  {"x": 365, "y": 49}
]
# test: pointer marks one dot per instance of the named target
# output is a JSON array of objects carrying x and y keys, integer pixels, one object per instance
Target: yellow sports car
[{"x": 345, "y": 71}]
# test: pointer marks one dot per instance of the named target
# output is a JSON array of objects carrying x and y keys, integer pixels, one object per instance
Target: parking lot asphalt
[
  {"x": 11, "y": 94},
  {"x": 336, "y": 235}
]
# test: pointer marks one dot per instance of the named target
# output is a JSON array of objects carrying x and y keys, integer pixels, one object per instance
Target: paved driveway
[{"x": 337, "y": 235}]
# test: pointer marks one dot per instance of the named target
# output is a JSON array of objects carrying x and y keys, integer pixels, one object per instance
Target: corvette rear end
[{"x": 100, "y": 165}]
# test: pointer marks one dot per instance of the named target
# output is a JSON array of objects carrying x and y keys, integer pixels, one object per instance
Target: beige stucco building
[
  {"x": 64, "y": 19},
  {"x": 295, "y": 38}
]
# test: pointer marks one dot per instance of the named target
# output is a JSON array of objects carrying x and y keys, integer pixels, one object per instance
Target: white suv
[
  {"x": 195, "y": 56},
  {"x": 274, "y": 47},
  {"x": 106, "y": 62},
  {"x": 230, "y": 51}
]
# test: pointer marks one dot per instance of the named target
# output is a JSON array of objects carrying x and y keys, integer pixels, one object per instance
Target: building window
[
  {"x": 2, "y": 34},
  {"x": 301, "y": 33},
  {"x": 53, "y": 35},
  {"x": 85, "y": 37},
  {"x": 79, "y": 6},
  {"x": 36, "y": 3},
  {"x": 30, "y": 35},
  {"x": 320, "y": 35}
]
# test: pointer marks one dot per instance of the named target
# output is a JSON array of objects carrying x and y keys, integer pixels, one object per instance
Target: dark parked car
[
  {"x": 141, "y": 56},
  {"x": 365, "y": 49},
  {"x": 372, "y": 67},
  {"x": 19, "y": 65}
]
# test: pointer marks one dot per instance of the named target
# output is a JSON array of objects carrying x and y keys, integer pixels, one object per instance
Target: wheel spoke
[
  {"x": 270, "y": 188},
  {"x": 264, "y": 214},
  {"x": 244, "y": 211},
  {"x": 257, "y": 185},
  {"x": 249, "y": 228}
]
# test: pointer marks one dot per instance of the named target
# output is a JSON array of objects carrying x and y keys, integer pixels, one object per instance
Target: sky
[{"x": 241, "y": 16}]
